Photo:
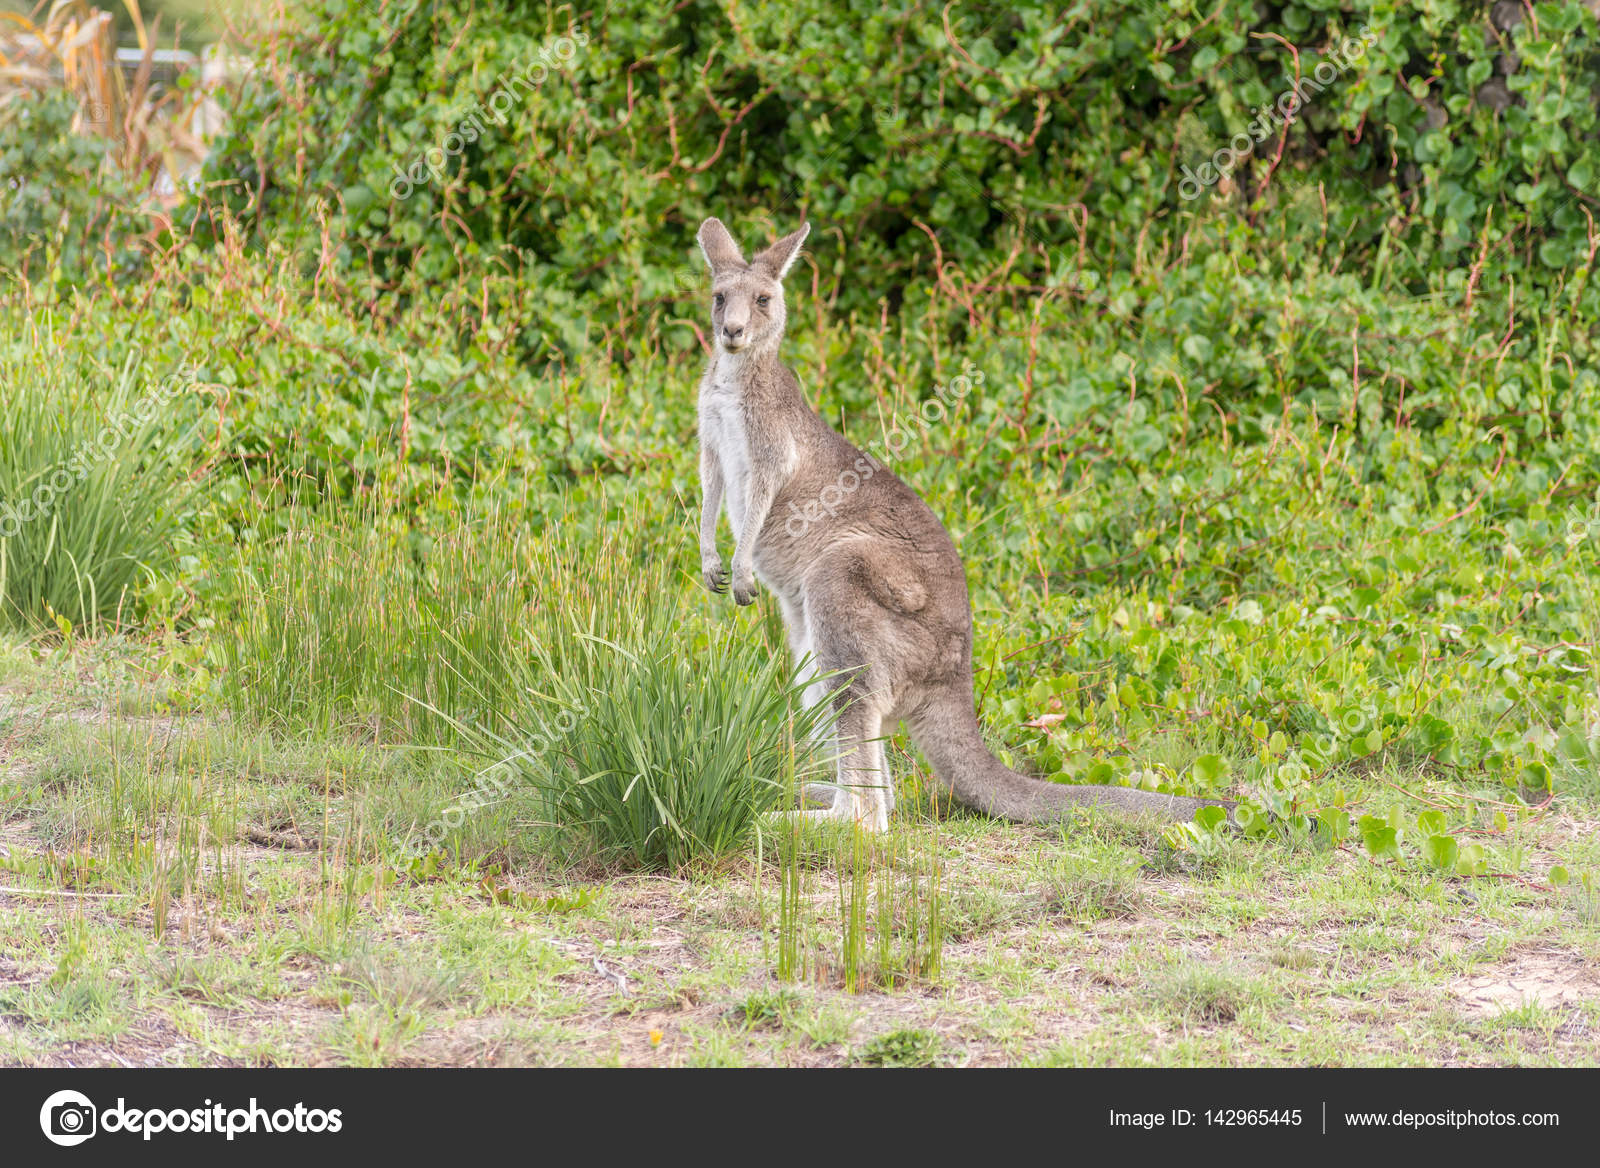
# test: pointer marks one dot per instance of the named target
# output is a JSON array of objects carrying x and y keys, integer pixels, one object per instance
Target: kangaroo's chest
[{"x": 724, "y": 427}]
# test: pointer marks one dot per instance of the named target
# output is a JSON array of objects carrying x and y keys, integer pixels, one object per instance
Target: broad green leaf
[
  {"x": 1441, "y": 851},
  {"x": 1382, "y": 842}
]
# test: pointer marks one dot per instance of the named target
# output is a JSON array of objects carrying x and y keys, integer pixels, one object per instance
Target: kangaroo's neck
[
  {"x": 756, "y": 370},
  {"x": 757, "y": 362}
]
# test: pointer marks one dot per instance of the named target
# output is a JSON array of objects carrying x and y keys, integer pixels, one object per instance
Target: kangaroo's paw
[
  {"x": 713, "y": 575},
  {"x": 782, "y": 819},
  {"x": 872, "y": 812}
]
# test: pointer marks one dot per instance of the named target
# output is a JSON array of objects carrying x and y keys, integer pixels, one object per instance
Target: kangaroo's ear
[
  {"x": 720, "y": 250},
  {"x": 780, "y": 257}
]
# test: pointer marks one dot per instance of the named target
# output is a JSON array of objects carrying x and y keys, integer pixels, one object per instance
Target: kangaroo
[{"x": 871, "y": 588}]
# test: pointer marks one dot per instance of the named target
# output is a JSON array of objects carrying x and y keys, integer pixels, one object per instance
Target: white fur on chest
[
  {"x": 722, "y": 425},
  {"x": 725, "y": 426}
]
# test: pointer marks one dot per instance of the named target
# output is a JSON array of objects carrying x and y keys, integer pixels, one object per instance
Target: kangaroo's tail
[{"x": 946, "y": 731}]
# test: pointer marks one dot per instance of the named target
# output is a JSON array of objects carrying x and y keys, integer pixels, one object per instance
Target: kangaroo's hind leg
[
  {"x": 864, "y": 790},
  {"x": 855, "y": 642},
  {"x": 864, "y": 780},
  {"x": 827, "y": 795}
]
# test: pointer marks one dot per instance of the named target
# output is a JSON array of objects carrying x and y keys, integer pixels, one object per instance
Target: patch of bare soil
[{"x": 1551, "y": 979}]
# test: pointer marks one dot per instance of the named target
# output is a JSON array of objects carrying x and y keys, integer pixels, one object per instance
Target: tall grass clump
[
  {"x": 659, "y": 748},
  {"x": 346, "y": 627},
  {"x": 91, "y": 487},
  {"x": 655, "y": 729},
  {"x": 882, "y": 922}
]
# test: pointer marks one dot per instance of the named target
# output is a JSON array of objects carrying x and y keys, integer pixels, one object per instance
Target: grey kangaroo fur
[{"x": 872, "y": 588}]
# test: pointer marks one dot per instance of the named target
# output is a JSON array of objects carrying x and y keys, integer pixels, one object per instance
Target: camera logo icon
[{"x": 68, "y": 1118}]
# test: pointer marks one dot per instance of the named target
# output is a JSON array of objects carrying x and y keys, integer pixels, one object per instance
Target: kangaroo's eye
[
  {"x": 762, "y": 300},
  {"x": 717, "y": 300}
]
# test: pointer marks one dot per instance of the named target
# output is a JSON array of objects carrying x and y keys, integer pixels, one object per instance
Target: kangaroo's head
[{"x": 747, "y": 298}]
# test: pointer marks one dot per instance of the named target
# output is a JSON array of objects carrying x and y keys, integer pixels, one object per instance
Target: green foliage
[
  {"x": 766, "y": 1009},
  {"x": 881, "y": 925},
  {"x": 68, "y": 214},
  {"x": 561, "y": 663},
  {"x": 1286, "y": 492},
  {"x": 1040, "y": 144},
  {"x": 1429, "y": 837},
  {"x": 349, "y": 619}
]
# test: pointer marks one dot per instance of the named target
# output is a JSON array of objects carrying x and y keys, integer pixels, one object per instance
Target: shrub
[
  {"x": 67, "y": 211},
  {"x": 1039, "y": 145}
]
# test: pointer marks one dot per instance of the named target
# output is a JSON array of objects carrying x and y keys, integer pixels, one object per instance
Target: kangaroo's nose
[{"x": 733, "y": 334}]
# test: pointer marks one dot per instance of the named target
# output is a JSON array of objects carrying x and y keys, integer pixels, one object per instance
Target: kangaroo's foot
[
  {"x": 834, "y": 804},
  {"x": 825, "y": 796},
  {"x": 871, "y": 808},
  {"x": 864, "y": 805}
]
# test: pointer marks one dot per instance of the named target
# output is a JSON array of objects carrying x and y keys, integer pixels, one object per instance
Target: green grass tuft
[
  {"x": 901, "y": 1048},
  {"x": 90, "y": 499},
  {"x": 1202, "y": 993},
  {"x": 1093, "y": 889}
]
